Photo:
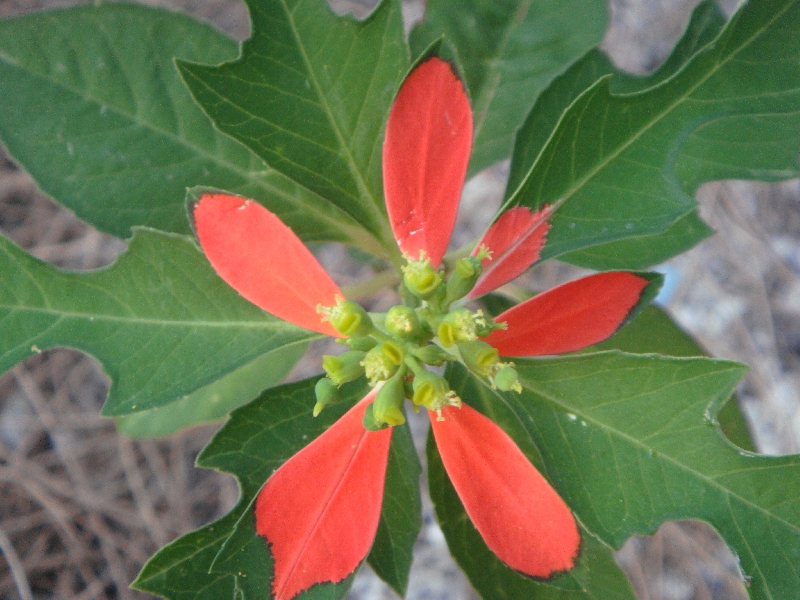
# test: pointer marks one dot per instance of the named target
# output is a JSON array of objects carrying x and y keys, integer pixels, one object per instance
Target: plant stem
[{"x": 362, "y": 289}]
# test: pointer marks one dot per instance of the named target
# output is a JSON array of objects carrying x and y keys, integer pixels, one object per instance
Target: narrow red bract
[
  {"x": 515, "y": 240},
  {"x": 263, "y": 260},
  {"x": 425, "y": 158},
  {"x": 569, "y": 317},
  {"x": 518, "y": 514},
  {"x": 320, "y": 510}
]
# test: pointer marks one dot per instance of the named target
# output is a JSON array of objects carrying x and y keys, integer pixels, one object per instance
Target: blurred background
[{"x": 82, "y": 508}]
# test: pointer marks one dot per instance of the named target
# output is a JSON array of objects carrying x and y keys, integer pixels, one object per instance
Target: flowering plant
[{"x": 550, "y": 442}]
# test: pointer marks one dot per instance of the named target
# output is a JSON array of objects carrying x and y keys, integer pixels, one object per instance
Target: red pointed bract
[
  {"x": 519, "y": 515},
  {"x": 568, "y": 317},
  {"x": 261, "y": 258},
  {"x": 425, "y": 157},
  {"x": 319, "y": 511},
  {"x": 515, "y": 240}
]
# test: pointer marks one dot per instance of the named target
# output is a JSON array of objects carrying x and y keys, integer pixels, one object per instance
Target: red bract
[
  {"x": 263, "y": 260},
  {"x": 519, "y": 516},
  {"x": 425, "y": 158},
  {"x": 515, "y": 241},
  {"x": 319, "y": 512}
]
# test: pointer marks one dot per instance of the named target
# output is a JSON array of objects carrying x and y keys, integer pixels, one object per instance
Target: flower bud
[
  {"x": 370, "y": 424},
  {"x": 388, "y": 406},
  {"x": 432, "y": 355},
  {"x": 382, "y": 362},
  {"x": 327, "y": 392},
  {"x": 457, "y": 327},
  {"x": 430, "y": 390},
  {"x": 420, "y": 278},
  {"x": 348, "y": 318},
  {"x": 507, "y": 379},
  {"x": 433, "y": 392},
  {"x": 401, "y": 321},
  {"x": 480, "y": 357},
  {"x": 464, "y": 278},
  {"x": 345, "y": 367}
]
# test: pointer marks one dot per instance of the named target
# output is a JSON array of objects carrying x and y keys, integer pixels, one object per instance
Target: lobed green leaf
[
  {"x": 310, "y": 95},
  {"x": 159, "y": 320},
  {"x": 623, "y": 163},
  {"x": 93, "y": 107},
  {"x": 632, "y": 441}
]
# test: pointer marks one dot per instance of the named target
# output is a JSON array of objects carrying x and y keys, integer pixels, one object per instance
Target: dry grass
[{"x": 82, "y": 507}]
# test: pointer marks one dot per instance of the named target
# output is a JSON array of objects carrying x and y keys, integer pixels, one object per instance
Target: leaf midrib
[
  {"x": 276, "y": 325},
  {"x": 378, "y": 217}
]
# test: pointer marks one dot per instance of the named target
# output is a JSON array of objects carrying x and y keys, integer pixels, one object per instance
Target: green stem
[{"x": 362, "y": 289}]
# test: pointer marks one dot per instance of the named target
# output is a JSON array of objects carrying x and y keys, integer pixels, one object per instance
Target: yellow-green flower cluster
[{"x": 395, "y": 349}]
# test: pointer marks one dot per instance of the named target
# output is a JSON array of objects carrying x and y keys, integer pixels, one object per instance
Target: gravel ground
[{"x": 82, "y": 507}]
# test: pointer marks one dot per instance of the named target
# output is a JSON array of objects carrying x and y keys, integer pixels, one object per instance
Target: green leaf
[
  {"x": 654, "y": 331},
  {"x": 509, "y": 50},
  {"x": 622, "y": 165},
  {"x": 596, "y": 575},
  {"x": 216, "y": 400},
  {"x": 401, "y": 519},
  {"x": 644, "y": 251},
  {"x": 310, "y": 95},
  {"x": 632, "y": 441},
  {"x": 158, "y": 319},
  {"x": 182, "y": 569},
  {"x": 93, "y": 107}
]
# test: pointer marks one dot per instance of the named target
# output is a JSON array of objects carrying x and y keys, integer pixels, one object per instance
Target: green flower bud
[
  {"x": 401, "y": 321},
  {"x": 433, "y": 392},
  {"x": 430, "y": 390},
  {"x": 388, "y": 406},
  {"x": 464, "y": 278},
  {"x": 507, "y": 379},
  {"x": 370, "y": 424},
  {"x": 327, "y": 392},
  {"x": 348, "y": 318},
  {"x": 345, "y": 367},
  {"x": 480, "y": 357},
  {"x": 382, "y": 362},
  {"x": 432, "y": 355},
  {"x": 460, "y": 325},
  {"x": 420, "y": 278}
]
